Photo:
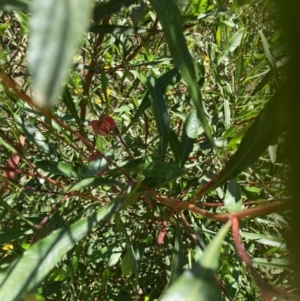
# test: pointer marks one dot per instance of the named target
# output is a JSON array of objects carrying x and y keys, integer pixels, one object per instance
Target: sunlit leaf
[
  {"x": 189, "y": 134},
  {"x": 168, "y": 15},
  {"x": 233, "y": 197},
  {"x": 58, "y": 168}
]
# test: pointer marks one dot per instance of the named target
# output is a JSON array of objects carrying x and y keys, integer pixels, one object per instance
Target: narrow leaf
[
  {"x": 175, "y": 145},
  {"x": 233, "y": 43},
  {"x": 35, "y": 136},
  {"x": 10, "y": 235},
  {"x": 189, "y": 134},
  {"x": 56, "y": 27},
  {"x": 210, "y": 256},
  {"x": 168, "y": 15},
  {"x": 275, "y": 263},
  {"x": 58, "y": 168},
  {"x": 127, "y": 264},
  {"x": 94, "y": 168},
  {"x": 69, "y": 102},
  {"x": 178, "y": 256},
  {"x": 269, "y": 55},
  {"x": 171, "y": 77},
  {"x": 153, "y": 169},
  {"x": 161, "y": 115},
  {"x": 233, "y": 198},
  {"x": 92, "y": 183},
  {"x": 265, "y": 129},
  {"x": 199, "y": 283},
  {"x": 26, "y": 272},
  {"x": 239, "y": 69}
]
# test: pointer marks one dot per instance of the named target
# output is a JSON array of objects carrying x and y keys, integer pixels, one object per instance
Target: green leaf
[
  {"x": 153, "y": 169},
  {"x": 56, "y": 27},
  {"x": 131, "y": 198},
  {"x": 10, "y": 235},
  {"x": 277, "y": 263},
  {"x": 69, "y": 102},
  {"x": 35, "y": 136},
  {"x": 210, "y": 256},
  {"x": 267, "y": 240},
  {"x": 72, "y": 268},
  {"x": 25, "y": 273},
  {"x": 199, "y": 283},
  {"x": 161, "y": 115},
  {"x": 94, "y": 168},
  {"x": 265, "y": 129},
  {"x": 239, "y": 69},
  {"x": 16, "y": 5},
  {"x": 119, "y": 29},
  {"x": 189, "y": 134},
  {"x": 269, "y": 55},
  {"x": 178, "y": 256},
  {"x": 58, "y": 275},
  {"x": 92, "y": 183},
  {"x": 168, "y": 15},
  {"x": 174, "y": 144},
  {"x": 233, "y": 197},
  {"x": 127, "y": 264},
  {"x": 171, "y": 77},
  {"x": 58, "y": 168},
  {"x": 198, "y": 6},
  {"x": 233, "y": 43}
]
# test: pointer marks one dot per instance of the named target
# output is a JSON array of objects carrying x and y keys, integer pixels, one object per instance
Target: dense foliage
[{"x": 147, "y": 159}]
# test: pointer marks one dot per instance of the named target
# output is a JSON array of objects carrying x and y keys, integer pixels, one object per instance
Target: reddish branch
[{"x": 266, "y": 289}]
